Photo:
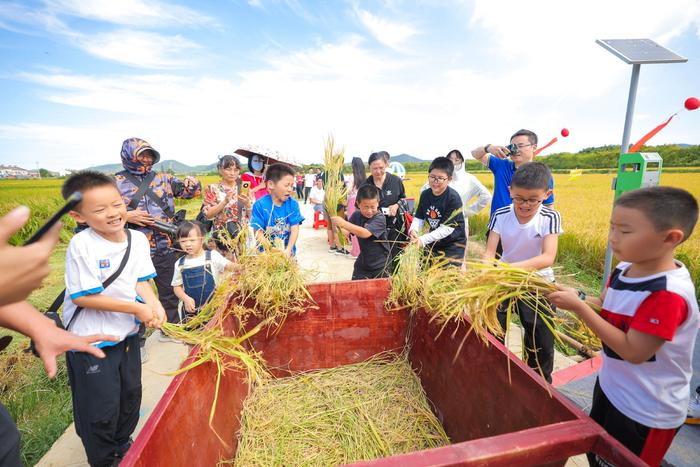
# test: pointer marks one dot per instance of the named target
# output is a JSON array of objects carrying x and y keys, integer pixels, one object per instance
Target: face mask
[
  {"x": 458, "y": 166},
  {"x": 256, "y": 164}
]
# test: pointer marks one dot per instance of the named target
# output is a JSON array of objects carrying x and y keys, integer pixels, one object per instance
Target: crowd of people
[{"x": 648, "y": 324}]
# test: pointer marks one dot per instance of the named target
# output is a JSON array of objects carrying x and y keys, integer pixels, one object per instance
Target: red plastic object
[
  {"x": 318, "y": 222},
  {"x": 491, "y": 421}
]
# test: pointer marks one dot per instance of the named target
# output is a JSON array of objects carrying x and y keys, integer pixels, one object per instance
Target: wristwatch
[
  {"x": 582, "y": 295},
  {"x": 486, "y": 148}
]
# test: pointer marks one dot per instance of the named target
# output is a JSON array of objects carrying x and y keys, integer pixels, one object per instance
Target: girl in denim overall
[{"x": 196, "y": 274}]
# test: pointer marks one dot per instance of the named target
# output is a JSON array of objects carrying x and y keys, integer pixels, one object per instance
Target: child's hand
[
  {"x": 566, "y": 298},
  {"x": 189, "y": 304},
  {"x": 287, "y": 252},
  {"x": 415, "y": 239},
  {"x": 159, "y": 316},
  {"x": 143, "y": 312}
]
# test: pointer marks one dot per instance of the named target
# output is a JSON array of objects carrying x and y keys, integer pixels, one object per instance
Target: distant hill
[
  {"x": 403, "y": 158},
  {"x": 167, "y": 165}
]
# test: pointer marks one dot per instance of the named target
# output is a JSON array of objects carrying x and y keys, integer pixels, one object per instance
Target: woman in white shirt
[{"x": 317, "y": 195}]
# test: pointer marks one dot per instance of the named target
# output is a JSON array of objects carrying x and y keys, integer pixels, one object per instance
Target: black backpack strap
[
  {"x": 111, "y": 278},
  {"x": 145, "y": 190},
  {"x": 142, "y": 187}
]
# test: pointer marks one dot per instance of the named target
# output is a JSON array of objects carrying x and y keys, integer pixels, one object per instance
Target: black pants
[
  {"x": 106, "y": 398},
  {"x": 300, "y": 192},
  {"x": 307, "y": 190},
  {"x": 359, "y": 273},
  {"x": 649, "y": 443},
  {"x": 538, "y": 338},
  {"x": 9, "y": 440},
  {"x": 165, "y": 266}
]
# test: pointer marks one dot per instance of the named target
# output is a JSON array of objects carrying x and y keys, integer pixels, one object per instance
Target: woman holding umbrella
[{"x": 257, "y": 164}]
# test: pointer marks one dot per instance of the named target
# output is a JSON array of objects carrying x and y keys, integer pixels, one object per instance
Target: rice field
[{"x": 585, "y": 204}]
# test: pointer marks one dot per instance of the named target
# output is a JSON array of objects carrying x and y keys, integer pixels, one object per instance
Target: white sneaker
[{"x": 693, "y": 417}]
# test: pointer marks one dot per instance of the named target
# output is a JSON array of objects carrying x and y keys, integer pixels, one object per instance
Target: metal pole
[{"x": 623, "y": 149}]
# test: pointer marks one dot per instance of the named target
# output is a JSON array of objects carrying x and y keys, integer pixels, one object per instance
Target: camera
[
  {"x": 513, "y": 149},
  {"x": 165, "y": 227}
]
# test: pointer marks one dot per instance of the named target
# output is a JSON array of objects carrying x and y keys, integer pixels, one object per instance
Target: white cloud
[
  {"x": 130, "y": 13},
  {"x": 390, "y": 33},
  {"x": 140, "y": 49},
  {"x": 544, "y": 72}
]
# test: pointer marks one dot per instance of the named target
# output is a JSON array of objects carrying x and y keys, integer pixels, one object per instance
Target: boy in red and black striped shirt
[{"x": 648, "y": 323}]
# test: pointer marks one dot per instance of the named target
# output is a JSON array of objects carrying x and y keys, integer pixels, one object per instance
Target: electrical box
[{"x": 637, "y": 170}]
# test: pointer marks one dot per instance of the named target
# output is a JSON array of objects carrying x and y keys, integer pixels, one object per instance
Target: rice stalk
[
  {"x": 340, "y": 415},
  {"x": 408, "y": 280},
  {"x": 336, "y": 192}
]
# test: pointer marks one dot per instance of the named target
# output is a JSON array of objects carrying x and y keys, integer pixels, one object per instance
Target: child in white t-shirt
[
  {"x": 529, "y": 233},
  {"x": 198, "y": 273},
  {"x": 106, "y": 393}
]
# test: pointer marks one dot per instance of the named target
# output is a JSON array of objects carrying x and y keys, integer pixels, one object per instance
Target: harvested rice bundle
[
  {"x": 336, "y": 192},
  {"x": 407, "y": 282},
  {"x": 336, "y": 416},
  {"x": 226, "y": 352},
  {"x": 276, "y": 284}
]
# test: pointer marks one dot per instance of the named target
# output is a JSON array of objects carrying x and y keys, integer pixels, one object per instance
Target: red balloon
[
  {"x": 692, "y": 103},
  {"x": 565, "y": 132}
]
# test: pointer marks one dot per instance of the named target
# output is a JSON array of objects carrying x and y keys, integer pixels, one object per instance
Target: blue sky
[{"x": 199, "y": 79}]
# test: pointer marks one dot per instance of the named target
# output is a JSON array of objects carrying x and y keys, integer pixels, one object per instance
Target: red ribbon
[
  {"x": 539, "y": 150},
  {"x": 637, "y": 146}
]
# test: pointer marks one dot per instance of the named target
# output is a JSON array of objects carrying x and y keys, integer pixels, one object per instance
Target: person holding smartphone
[{"x": 225, "y": 202}]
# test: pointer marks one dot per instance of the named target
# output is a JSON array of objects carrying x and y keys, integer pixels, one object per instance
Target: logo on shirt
[
  {"x": 388, "y": 192},
  {"x": 104, "y": 263},
  {"x": 93, "y": 369},
  {"x": 654, "y": 321},
  {"x": 433, "y": 216}
]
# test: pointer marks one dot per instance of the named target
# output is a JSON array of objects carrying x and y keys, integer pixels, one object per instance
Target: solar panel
[{"x": 640, "y": 51}]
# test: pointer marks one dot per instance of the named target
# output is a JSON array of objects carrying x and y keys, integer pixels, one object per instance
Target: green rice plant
[{"x": 340, "y": 415}]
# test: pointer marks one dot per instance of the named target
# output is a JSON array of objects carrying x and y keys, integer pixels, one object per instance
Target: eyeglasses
[
  {"x": 530, "y": 202},
  {"x": 520, "y": 146},
  {"x": 435, "y": 179}
]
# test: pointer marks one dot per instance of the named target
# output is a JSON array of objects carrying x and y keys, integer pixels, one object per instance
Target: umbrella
[{"x": 270, "y": 155}]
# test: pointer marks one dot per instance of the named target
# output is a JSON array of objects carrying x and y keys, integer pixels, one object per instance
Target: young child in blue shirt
[{"x": 276, "y": 217}]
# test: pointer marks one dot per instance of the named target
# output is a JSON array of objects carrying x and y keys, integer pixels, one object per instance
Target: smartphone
[
  {"x": 385, "y": 211},
  {"x": 71, "y": 202},
  {"x": 245, "y": 188}
]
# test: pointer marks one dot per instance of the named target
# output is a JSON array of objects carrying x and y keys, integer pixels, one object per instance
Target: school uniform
[
  {"x": 106, "y": 392},
  {"x": 522, "y": 242}
]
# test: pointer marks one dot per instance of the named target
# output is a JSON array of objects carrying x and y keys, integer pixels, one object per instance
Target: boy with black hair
[
  {"x": 648, "y": 323},
  {"x": 368, "y": 224},
  {"x": 441, "y": 207},
  {"x": 529, "y": 233},
  {"x": 277, "y": 216},
  {"x": 106, "y": 393}
]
